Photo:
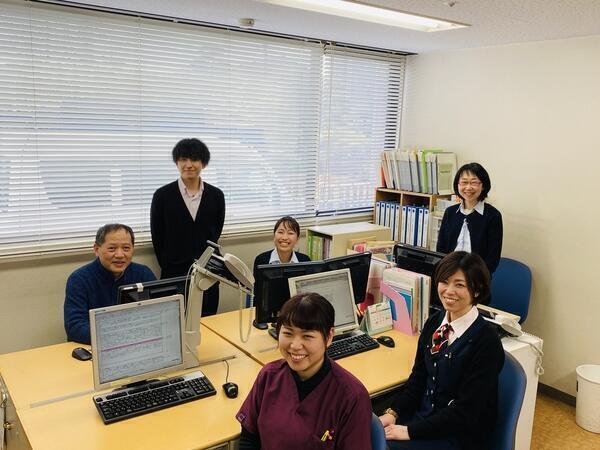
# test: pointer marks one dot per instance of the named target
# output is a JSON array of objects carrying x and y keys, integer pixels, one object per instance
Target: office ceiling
[{"x": 493, "y": 22}]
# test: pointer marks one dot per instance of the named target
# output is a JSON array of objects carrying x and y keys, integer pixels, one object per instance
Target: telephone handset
[
  {"x": 512, "y": 327},
  {"x": 240, "y": 270}
]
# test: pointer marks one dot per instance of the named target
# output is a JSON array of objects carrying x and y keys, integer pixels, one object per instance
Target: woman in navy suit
[
  {"x": 451, "y": 397},
  {"x": 472, "y": 225}
]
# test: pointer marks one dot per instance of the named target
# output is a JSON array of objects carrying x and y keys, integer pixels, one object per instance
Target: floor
[{"x": 554, "y": 427}]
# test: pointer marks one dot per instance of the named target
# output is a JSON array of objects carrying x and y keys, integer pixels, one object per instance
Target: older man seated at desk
[{"x": 96, "y": 284}]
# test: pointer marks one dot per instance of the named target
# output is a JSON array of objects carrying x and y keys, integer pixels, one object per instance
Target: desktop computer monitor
[
  {"x": 153, "y": 289},
  {"x": 420, "y": 260},
  {"x": 359, "y": 265},
  {"x": 271, "y": 289},
  {"x": 336, "y": 287},
  {"x": 136, "y": 341}
]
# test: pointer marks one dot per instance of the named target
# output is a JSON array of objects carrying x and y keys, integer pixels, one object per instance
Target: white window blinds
[
  {"x": 362, "y": 98},
  {"x": 91, "y": 105}
]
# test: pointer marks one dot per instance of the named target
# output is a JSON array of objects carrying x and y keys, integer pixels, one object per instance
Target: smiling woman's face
[
  {"x": 304, "y": 350},
  {"x": 285, "y": 239},
  {"x": 455, "y": 295}
]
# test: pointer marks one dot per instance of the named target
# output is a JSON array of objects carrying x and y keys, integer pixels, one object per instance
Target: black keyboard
[
  {"x": 351, "y": 345},
  {"x": 152, "y": 396}
]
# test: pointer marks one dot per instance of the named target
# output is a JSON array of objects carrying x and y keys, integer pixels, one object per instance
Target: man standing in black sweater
[{"x": 185, "y": 214}]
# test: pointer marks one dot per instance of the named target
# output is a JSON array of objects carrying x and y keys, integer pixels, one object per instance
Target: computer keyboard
[
  {"x": 152, "y": 396},
  {"x": 355, "y": 343}
]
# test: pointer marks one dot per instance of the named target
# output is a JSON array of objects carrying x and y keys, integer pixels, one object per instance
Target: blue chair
[
  {"x": 511, "y": 391},
  {"x": 511, "y": 287},
  {"x": 377, "y": 434}
]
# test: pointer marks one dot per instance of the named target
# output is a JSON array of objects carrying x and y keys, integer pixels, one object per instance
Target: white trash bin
[{"x": 588, "y": 397}]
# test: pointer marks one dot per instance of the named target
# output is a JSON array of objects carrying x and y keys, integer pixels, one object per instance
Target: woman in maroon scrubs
[{"x": 305, "y": 401}]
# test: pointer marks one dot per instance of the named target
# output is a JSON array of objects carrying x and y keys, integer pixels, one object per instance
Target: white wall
[{"x": 530, "y": 113}]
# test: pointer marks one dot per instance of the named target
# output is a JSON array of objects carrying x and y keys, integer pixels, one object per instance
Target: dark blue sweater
[
  {"x": 92, "y": 286},
  {"x": 485, "y": 231}
]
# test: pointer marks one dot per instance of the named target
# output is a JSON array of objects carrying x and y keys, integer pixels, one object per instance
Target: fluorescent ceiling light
[{"x": 361, "y": 11}]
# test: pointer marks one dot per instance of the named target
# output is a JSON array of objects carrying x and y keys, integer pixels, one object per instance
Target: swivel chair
[
  {"x": 377, "y": 434},
  {"x": 511, "y": 391},
  {"x": 511, "y": 287}
]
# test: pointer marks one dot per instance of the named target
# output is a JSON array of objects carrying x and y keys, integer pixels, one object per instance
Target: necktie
[{"x": 439, "y": 340}]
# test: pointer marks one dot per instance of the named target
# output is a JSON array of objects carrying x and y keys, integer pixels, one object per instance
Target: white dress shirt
[
  {"x": 460, "y": 325},
  {"x": 192, "y": 201},
  {"x": 464, "y": 238},
  {"x": 274, "y": 259}
]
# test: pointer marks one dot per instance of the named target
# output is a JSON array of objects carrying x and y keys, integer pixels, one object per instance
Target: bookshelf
[
  {"x": 334, "y": 238},
  {"x": 405, "y": 198}
]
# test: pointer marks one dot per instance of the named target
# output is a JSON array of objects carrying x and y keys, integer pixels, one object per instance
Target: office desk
[
  {"x": 47, "y": 374},
  {"x": 51, "y": 407},
  {"x": 75, "y": 423},
  {"x": 379, "y": 370}
]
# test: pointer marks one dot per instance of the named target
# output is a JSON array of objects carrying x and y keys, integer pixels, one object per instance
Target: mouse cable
[{"x": 227, "y": 374}]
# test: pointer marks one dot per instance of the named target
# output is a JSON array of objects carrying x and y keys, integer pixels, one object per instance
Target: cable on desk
[{"x": 227, "y": 374}]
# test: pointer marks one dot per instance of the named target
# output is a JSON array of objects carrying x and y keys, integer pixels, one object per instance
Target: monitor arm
[{"x": 206, "y": 271}]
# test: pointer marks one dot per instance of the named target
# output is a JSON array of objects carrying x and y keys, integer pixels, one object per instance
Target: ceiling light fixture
[{"x": 360, "y": 11}]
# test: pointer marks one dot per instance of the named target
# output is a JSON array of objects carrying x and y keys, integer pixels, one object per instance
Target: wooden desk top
[
  {"x": 379, "y": 370},
  {"x": 49, "y": 373},
  {"x": 227, "y": 326},
  {"x": 75, "y": 423}
]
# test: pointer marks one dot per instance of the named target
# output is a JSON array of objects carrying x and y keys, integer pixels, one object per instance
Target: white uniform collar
[
  {"x": 274, "y": 259},
  {"x": 479, "y": 207},
  {"x": 462, "y": 324}
]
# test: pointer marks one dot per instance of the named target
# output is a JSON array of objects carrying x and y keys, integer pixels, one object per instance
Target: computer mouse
[
  {"x": 82, "y": 354},
  {"x": 231, "y": 389},
  {"x": 386, "y": 340}
]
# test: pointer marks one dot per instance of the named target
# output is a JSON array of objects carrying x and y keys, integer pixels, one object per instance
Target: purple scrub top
[{"x": 335, "y": 415}]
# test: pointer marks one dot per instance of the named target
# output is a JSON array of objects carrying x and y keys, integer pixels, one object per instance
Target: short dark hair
[
  {"x": 191, "y": 148},
  {"x": 477, "y": 170},
  {"x": 476, "y": 273},
  {"x": 307, "y": 311},
  {"x": 288, "y": 222},
  {"x": 109, "y": 228}
]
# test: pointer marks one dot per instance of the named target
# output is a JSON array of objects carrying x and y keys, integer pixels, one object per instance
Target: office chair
[
  {"x": 511, "y": 391},
  {"x": 377, "y": 434},
  {"x": 511, "y": 287}
]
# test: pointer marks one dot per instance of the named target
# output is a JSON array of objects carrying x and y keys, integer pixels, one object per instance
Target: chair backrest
[
  {"x": 511, "y": 287},
  {"x": 377, "y": 434},
  {"x": 511, "y": 391}
]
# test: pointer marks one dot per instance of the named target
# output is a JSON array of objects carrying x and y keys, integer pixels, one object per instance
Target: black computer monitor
[
  {"x": 359, "y": 265},
  {"x": 271, "y": 288},
  {"x": 153, "y": 289},
  {"x": 420, "y": 260}
]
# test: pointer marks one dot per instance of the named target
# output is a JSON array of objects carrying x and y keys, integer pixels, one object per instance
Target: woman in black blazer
[
  {"x": 286, "y": 233},
  {"x": 285, "y": 237},
  {"x": 450, "y": 400},
  {"x": 472, "y": 225}
]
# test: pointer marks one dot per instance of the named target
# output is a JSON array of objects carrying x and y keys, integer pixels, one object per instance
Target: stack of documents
[
  {"x": 430, "y": 171},
  {"x": 319, "y": 246},
  {"x": 414, "y": 227},
  {"x": 409, "y": 223},
  {"x": 408, "y": 294},
  {"x": 388, "y": 214}
]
